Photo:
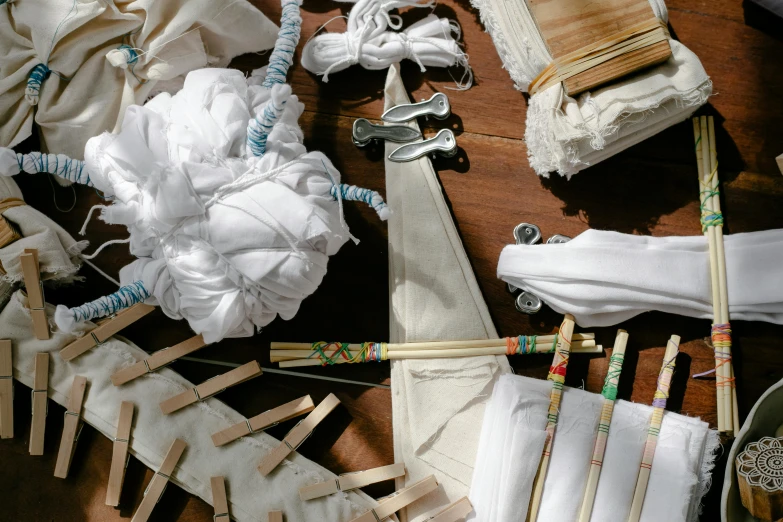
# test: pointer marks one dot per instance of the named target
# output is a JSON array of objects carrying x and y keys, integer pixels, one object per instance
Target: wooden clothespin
[
  {"x": 40, "y": 395},
  {"x": 71, "y": 427},
  {"x": 159, "y": 481},
  {"x": 399, "y": 500},
  {"x": 211, "y": 387},
  {"x": 219, "y": 500},
  {"x": 158, "y": 360},
  {"x": 456, "y": 511},
  {"x": 298, "y": 434},
  {"x": 6, "y": 390},
  {"x": 35, "y": 295},
  {"x": 119, "y": 456},
  {"x": 104, "y": 330},
  {"x": 275, "y": 516},
  {"x": 264, "y": 420},
  {"x": 349, "y": 481}
]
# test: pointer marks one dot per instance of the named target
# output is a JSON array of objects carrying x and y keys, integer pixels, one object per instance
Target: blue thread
[
  {"x": 37, "y": 76},
  {"x": 57, "y": 164},
  {"x": 287, "y": 39},
  {"x": 259, "y": 128},
  {"x": 125, "y": 297},
  {"x": 354, "y": 193},
  {"x": 131, "y": 58}
]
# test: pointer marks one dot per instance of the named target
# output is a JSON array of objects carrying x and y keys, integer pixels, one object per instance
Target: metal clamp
[
  {"x": 98, "y": 342},
  {"x": 437, "y": 106},
  {"x": 217, "y": 515},
  {"x": 377, "y": 518},
  {"x": 250, "y": 429},
  {"x": 147, "y": 489},
  {"x": 364, "y": 132},
  {"x": 444, "y": 143},
  {"x": 32, "y": 399},
  {"x": 292, "y": 448}
]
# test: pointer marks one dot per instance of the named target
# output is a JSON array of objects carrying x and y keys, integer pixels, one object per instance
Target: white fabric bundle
[
  {"x": 366, "y": 41},
  {"x": 605, "y": 278},
  {"x": 512, "y": 441},
  {"x": 231, "y": 218},
  {"x": 437, "y": 404},
  {"x": 251, "y": 496},
  {"x": 76, "y": 93},
  {"x": 566, "y": 134}
]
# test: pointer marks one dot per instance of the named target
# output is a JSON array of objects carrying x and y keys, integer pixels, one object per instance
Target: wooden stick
[
  {"x": 437, "y": 345},
  {"x": 557, "y": 374},
  {"x": 702, "y": 153},
  {"x": 71, "y": 427},
  {"x": 119, "y": 457},
  {"x": 40, "y": 394},
  {"x": 730, "y": 391},
  {"x": 219, "y": 499},
  {"x": 158, "y": 360},
  {"x": 6, "y": 390},
  {"x": 659, "y": 406},
  {"x": 610, "y": 394},
  {"x": 159, "y": 481}
]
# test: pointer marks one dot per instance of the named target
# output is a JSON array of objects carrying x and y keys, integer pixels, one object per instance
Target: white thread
[
  {"x": 100, "y": 248},
  {"x": 83, "y": 230}
]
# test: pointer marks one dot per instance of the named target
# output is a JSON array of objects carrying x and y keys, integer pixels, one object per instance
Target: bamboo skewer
[
  {"x": 712, "y": 223},
  {"x": 659, "y": 406},
  {"x": 610, "y": 394},
  {"x": 557, "y": 374},
  {"x": 318, "y": 354}
]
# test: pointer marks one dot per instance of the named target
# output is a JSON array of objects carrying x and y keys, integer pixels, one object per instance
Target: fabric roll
[
  {"x": 568, "y": 134},
  {"x": 73, "y": 66},
  {"x": 251, "y": 496},
  {"x": 604, "y": 278},
  {"x": 437, "y": 404},
  {"x": 505, "y": 475}
]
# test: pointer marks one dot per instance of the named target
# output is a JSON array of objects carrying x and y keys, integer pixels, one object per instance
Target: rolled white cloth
[
  {"x": 78, "y": 93},
  {"x": 605, "y": 278},
  {"x": 566, "y": 134},
  {"x": 512, "y": 442},
  {"x": 366, "y": 41}
]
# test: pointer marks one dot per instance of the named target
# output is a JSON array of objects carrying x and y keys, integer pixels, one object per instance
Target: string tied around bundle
[
  {"x": 287, "y": 38},
  {"x": 557, "y": 371},
  {"x": 38, "y": 75},
  {"x": 612, "y": 381},
  {"x": 709, "y": 217},
  {"x": 369, "y": 352},
  {"x": 664, "y": 383},
  {"x": 524, "y": 345},
  {"x": 721, "y": 345},
  {"x": 371, "y": 197},
  {"x": 107, "y": 305},
  {"x": 125, "y": 57},
  {"x": 12, "y": 163}
]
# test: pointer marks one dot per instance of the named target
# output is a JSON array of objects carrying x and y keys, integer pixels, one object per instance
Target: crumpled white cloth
[
  {"x": 437, "y": 404},
  {"x": 566, "y": 134},
  {"x": 167, "y": 38},
  {"x": 251, "y": 496},
  {"x": 605, "y": 278},
  {"x": 367, "y": 41},
  {"x": 512, "y": 441}
]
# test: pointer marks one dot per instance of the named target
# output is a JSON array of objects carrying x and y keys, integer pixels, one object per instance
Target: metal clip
[
  {"x": 98, "y": 342},
  {"x": 364, "y": 132},
  {"x": 147, "y": 489},
  {"x": 558, "y": 239},
  {"x": 437, "y": 106},
  {"x": 527, "y": 303},
  {"x": 444, "y": 143},
  {"x": 525, "y": 234},
  {"x": 250, "y": 429},
  {"x": 300, "y": 442}
]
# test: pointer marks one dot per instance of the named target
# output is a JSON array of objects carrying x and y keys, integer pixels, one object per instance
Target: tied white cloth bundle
[
  {"x": 251, "y": 495},
  {"x": 231, "y": 218},
  {"x": 437, "y": 404},
  {"x": 54, "y": 69},
  {"x": 512, "y": 440},
  {"x": 566, "y": 134},
  {"x": 605, "y": 278},
  {"x": 431, "y": 41}
]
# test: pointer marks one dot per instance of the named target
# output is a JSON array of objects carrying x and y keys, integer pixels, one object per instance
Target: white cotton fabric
[
  {"x": 604, "y": 278},
  {"x": 512, "y": 441},
  {"x": 368, "y": 41},
  {"x": 170, "y": 38},
  {"x": 437, "y": 404},
  {"x": 224, "y": 239},
  {"x": 251, "y": 496},
  {"x": 566, "y": 134},
  {"x": 58, "y": 252}
]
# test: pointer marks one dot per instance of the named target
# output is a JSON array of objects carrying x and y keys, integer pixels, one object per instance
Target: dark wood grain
[{"x": 649, "y": 189}]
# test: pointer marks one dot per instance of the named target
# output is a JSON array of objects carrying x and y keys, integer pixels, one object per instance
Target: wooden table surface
[{"x": 649, "y": 189}]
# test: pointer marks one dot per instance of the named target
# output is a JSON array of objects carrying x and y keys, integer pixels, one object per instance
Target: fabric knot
[
  {"x": 38, "y": 75},
  {"x": 409, "y": 54}
]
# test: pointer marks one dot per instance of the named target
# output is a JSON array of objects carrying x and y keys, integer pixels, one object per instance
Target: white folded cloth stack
[
  {"x": 566, "y": 134},
  {"x": 512, "y": 441},
  {"x": 605, "y": 278}
]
